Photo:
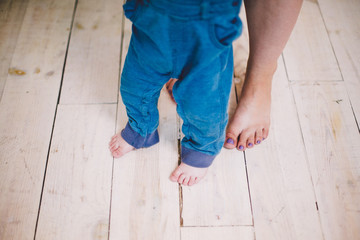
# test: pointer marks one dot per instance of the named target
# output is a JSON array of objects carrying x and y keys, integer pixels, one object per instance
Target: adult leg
[{"x": 270, "y": 23}]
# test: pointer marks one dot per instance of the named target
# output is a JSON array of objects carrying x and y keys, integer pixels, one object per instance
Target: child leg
[
  {"x": 140, "y": 90},
  {"x": 202, "y": 99}
]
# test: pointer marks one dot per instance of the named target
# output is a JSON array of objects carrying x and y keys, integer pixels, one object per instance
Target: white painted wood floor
[{"x": 59, "y": 78}]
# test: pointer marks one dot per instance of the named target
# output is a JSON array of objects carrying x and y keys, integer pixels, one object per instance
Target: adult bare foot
[
  {"x": 188, "y": 175},
  {"x": 118, "y": 146},
  {"x": 250, "y": 123}
]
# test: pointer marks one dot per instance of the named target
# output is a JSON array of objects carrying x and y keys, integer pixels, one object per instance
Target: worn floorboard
[
  {"x": 76, "y": 196},
  {"x": 309, "y": 54},
  {"x": 11, "y": 18},
  {"x": 303, "y": 182},
  {"x": 342, "y": 22},
  {"x": 27, "y": 110},
  {"x": 333, "y": 148},
  {"x": 92, "y": 65}
]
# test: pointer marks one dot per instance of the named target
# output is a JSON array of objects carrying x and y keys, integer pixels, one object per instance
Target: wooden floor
[{"x": 59, "y": 78}]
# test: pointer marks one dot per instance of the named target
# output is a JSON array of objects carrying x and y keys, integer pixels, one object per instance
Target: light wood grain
[
  {"x": 281, "y": 189},
  {"x": 12, "y": 13},
  {"x": 332, "y": 144},
  {"x": 92, "y": 66},
  {"x": 145, "y": 203},
  {"x": 216, "y": 233},
  {"x": 343, "y": 23},
  {"x": 76, "y": 197},
  {"x": 27, "y": 111},
  {"x": 309, "y": 54}
]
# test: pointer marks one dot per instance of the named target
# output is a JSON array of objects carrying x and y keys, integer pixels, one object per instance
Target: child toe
[{"x": 175, "y": 174}]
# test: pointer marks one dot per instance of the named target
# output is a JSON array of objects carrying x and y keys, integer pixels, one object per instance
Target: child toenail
[
  {"x": 258, "y": 141},
  {"x": 250, "y": 144},
  {"x": 229, "y": 140},
  {"x": 241, "y": 147}
]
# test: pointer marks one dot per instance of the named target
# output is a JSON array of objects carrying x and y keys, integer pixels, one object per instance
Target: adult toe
[
  {"x": 231, "y": 138},
  {"x": 230, "y": 141},
  {"x": 258, "y": 136},
  {"x": 247, "y": 139},
  {"x": 250, "y": 141},
  {"x": 265, "y": 133},
  {"x": 242, "y": 144}
]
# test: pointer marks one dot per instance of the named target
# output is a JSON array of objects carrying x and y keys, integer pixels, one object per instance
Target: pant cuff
[
  {"x": 195, "y": 158},
  {"x": 136, "y": 140}
]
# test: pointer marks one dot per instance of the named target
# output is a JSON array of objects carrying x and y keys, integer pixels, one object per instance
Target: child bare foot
[
  {"x": 187, "y": 175},
  {"x": 250, "y": 123},
  {"x": 118, "y": 146}
]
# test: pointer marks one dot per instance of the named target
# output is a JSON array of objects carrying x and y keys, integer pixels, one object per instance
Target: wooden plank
[
  {"x": 309, "y": 54},
  {"x": 12, "y": 13},
  {"x": 145, "y": 203},
  {"x": 281, "y": 189},
  {"x": 342, "y": 21},
  {"x": 222, "y": 197},
  {"x": 332, "y": 144},
  {"x": 215, "y": 233},
  {"x": 76, "y": 198},
  {"x": 92, "y": 66},
  {"x": 27, "y": 111}
]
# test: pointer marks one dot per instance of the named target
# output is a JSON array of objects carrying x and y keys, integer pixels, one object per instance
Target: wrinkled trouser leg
[
  {"x": 202, "y": 99},
  {"x": 140, "y": 89},
  {"x": 193, "y": 45}
]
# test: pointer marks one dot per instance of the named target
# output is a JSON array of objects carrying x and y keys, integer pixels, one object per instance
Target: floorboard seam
[
  {"x": 305, "y": 150},
  {"x": 116, "y": 117},
  {"x": 331, "y": 44},
  {"x": 56, "y": 109}
]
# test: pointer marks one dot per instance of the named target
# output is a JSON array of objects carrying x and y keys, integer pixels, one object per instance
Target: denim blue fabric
[
  {"x": 136, "y": 140},
  {"x": 190, "y": 40}
]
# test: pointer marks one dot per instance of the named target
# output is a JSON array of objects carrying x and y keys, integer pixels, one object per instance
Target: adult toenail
[
  {"x": 250, "y": 144},
  {"x": 241, "y": 147},
  {"x": 258, "y": 141},
  {"x": 229, "y": 140}
]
